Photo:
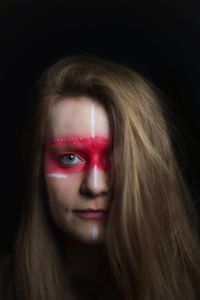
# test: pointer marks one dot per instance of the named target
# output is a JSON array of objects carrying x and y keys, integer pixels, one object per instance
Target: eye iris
[
  {"x": 70, "y": 157},
  {"x": 67, "y": 158}
]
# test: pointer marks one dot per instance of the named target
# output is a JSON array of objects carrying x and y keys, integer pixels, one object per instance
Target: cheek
[{"x": 63, "y": 192}]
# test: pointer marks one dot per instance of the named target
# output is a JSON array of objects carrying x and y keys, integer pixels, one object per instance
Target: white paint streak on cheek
[
  {"x": 92, "y": 129},
  {"x": 57, "y": 175},
  {"x": 95, "y": 233}
]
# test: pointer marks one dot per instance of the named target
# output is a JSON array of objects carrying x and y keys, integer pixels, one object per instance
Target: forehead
[{"x": 78, "y": 116}]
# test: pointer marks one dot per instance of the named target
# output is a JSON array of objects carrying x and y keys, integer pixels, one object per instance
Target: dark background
[{"x": 160, "y": 39}]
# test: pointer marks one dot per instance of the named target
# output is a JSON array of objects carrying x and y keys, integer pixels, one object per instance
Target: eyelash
[{"x": 68, "y": 164}]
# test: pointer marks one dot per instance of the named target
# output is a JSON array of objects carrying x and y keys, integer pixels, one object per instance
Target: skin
[
  {"x": 82, "y": 186},
  {"x": 78, "y": 127}
]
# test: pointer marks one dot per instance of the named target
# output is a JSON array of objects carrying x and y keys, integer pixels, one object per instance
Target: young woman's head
[{"x": 103, "y": 171}]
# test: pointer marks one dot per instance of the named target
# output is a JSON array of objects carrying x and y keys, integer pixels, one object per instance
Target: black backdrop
[{"x": 161, "y": 39}]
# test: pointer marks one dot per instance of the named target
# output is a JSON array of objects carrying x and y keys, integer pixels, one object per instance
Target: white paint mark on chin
[
  {"x": 56, "y": 175},
  {"x": 92, "y": 121},
  {"x": 95, "y": 233}
]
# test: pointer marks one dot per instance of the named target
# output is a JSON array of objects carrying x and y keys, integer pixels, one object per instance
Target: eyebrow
[{"x": 79, "y": 142}]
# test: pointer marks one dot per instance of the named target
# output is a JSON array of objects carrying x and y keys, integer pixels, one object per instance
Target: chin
[
  {"x": 92, "y": 234},
  {"x": 87, "y": 238},
  {"x": 94, "y": 242},
  {"x": 92, "y": 239}
]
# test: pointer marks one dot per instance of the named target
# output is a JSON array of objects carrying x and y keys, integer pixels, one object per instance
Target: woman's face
[{"x": 77, "y": 168}]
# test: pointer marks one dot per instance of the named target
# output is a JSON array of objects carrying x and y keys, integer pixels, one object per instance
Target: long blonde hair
[{"x": 151, "y": 236}]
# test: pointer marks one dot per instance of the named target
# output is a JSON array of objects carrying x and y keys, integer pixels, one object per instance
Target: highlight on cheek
[{"x": 89, "y": 153}]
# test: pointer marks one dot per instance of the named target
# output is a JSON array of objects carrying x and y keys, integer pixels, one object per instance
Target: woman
[{"x": 108, "y": 214}]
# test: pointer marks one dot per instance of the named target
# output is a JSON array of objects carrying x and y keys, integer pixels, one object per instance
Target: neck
[
  {"x": 88, "y": 272},
  {"x": 86, "y": 266},
  {"x": 83, "y": 258}
]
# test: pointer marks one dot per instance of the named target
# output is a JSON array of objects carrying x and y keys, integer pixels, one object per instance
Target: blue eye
[{"x": 69, "y": 159}]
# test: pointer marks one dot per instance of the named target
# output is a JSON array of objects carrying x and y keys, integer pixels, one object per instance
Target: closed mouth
[
  {"x": 90, "y": 210},
  {"x": 89, "y": 214}
]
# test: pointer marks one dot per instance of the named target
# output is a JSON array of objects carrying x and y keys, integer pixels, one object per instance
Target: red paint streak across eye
[{"x": 92, "y": 151}]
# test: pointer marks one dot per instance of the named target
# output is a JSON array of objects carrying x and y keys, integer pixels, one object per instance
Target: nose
[{"x": 95, "y": 183}]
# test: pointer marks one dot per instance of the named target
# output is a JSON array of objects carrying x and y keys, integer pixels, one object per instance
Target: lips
[{"x": 91, "y": 213}]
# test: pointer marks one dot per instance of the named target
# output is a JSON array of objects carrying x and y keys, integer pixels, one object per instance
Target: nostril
[
  {"x": 94, "y": 183},
  {"x": 84, "y": 190},
  {"x": 93, "y": 187},
  {"x": 91, "y": 193}
]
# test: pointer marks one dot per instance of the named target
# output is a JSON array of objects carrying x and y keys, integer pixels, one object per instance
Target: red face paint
[{"x": 88, "y": 151}]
